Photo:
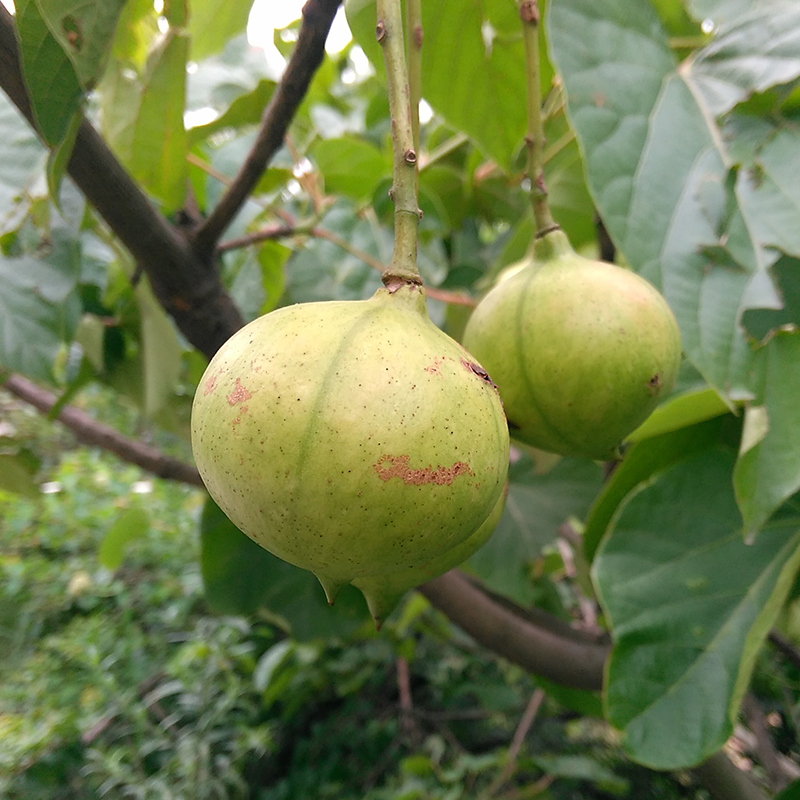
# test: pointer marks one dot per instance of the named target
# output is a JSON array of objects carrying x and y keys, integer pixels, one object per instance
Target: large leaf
[
  {"x": 351, "y": 166},
  {"x": 752, "y": 53},
  {"x": 690, "y": 603},
  {"x": 53, "y": 84},
  {"x": 240, "y": 577},
  {"x": 84, "y": 29},
  {"x": 643, "y": 460},
  {"x": 536, "y": 505},
  {"x": 143, "y": 119}
]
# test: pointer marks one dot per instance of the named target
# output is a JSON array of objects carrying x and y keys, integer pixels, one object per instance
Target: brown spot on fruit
[
  {"x": 210, "y": 384},
  {"x": 242, "y": 410},
  {"x": 389, "y": 467},
  {"x": 239, "y": 394},
  {"x": 478, "y": 370},
  {"x": 654, "y": 384},
  {"x": 436, "y": 367}
]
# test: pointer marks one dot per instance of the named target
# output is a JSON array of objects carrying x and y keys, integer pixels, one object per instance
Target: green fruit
[
  {"x": 350, "y": 438},
  {"x": 383, "y": 592},
  {"x": 581, "y": 351}
]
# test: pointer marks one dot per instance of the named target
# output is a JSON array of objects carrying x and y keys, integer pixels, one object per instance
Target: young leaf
[
  {"x": 690, "y": 603},
  {"x": 213, "y": 22}
]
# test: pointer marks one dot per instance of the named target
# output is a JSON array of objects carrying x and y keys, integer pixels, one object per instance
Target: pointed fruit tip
[{"x": 331, "y": 587}]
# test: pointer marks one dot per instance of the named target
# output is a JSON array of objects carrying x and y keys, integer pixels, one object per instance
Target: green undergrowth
[{"x": 117, "y": 680}]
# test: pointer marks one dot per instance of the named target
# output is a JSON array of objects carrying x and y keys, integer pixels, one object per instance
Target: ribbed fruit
[
  {"x": 383, "y": 592},
  {"x": 350, "y": 438},
  {"x": 581, "y": 351}
]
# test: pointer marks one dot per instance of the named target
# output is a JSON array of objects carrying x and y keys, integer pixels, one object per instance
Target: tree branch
[
  {"x": 188, "y": 287},
  {"x": 554, "y": 656},
  {"x": 91, "y": 432},
  {"x": 306, "y": 57}
]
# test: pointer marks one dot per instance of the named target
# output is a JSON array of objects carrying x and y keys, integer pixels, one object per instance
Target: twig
[
  {"x": 785, "y": 648},
  {"x": 528, "y": 717},
  {"x": 91, "y": 432},
  {"x": 764, "y": 748},
  {"x": 404, "y": 689},
  {"x": 306, "y": 57}
]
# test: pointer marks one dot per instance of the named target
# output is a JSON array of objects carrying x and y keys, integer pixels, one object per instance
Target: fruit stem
[
  {"x": 403, "y": 266},
  {"x": 534, "y": 139},
  {"x": 414, "y": 56}
]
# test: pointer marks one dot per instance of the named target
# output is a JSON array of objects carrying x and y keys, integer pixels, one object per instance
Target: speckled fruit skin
[
  {"x": 581, "y": 351},
  {"x": 383, "y": 592},
  {"x": 350, "y": 438}
]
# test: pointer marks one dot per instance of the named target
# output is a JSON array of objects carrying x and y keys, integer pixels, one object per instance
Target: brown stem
[
  {"x": 306, "y": 57},
  {"x": 187, "y": 287},
  {"x": 554, "y": 656},
  {"x": 89, "y": 431}
]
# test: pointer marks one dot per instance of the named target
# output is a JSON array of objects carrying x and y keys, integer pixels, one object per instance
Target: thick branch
[
  {"x": 306, "y": 57},
  {"x": 91, "y": 432},
  {"x": 187, "y": 287},
  {"x": 554, "y": 656}
]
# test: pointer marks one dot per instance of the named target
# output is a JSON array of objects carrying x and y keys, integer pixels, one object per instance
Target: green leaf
[
  {"x": 259, "y": 282},
  {"x": 750, "y": 54},
  {"x": 690, "y": 603},
  {"x": 681, "y": 411},
  {"x": 769, "y": 198},
  {"x": 129, "y": 524},
  {"x": 21, "y": 155},
  {"x": 143, "y": 119},
  {"x": 244, "y": 111},
  {"x": 536, "y": 505},
  {"x": 17, "y": 476},
  {"x": 161, "y": 351},
  {"x": 39, "y": 306},
  {"x": 50, "y": 76},
  {"x": 84, "y": 29},
  {"x": 59, "y": 157},
  {"x": 773, "y": 302},
  {"x": 351, "y": 166},
  {"x": 643, "y": 460},
  {"x": 768, "y": 469},
  {"x": 213, "y": 22},
  {"x": 240, "y": 577}
]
